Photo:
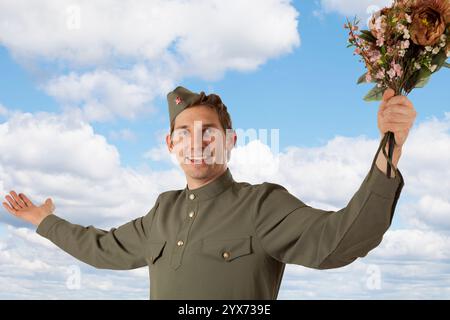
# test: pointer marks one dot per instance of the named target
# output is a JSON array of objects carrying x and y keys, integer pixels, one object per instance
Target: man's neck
[{"x": 197, "y": 183}]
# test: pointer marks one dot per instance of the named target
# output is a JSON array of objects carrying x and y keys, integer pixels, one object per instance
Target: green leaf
[
  {"x": 418, "y": 79},
  {"x": 362, "y": 79},
  {"x": 439, "y": 59},
  {"x": 422, "y": 82},
  {"x": 376, "y": 94},
  {"x": 368, "y": 36},
  {"x": 446, "y": 64}
]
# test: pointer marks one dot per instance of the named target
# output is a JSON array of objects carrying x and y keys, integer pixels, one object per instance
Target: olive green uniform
[{"x": 231, "y": 240}]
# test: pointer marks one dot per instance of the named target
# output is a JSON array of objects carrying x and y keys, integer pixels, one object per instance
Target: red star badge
[{"x": 178, "y": 100}]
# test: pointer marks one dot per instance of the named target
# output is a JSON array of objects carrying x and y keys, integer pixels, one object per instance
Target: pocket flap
[
  {"x": 155, "y": 250},
  {"x": 227, "y": 249}
]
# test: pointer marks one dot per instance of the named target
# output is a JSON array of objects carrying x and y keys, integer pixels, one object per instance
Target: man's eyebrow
[
  {"x": 206, "y": 125},
  {"x": 210, "y": 125},
  {"x": 181, "y": 127}
]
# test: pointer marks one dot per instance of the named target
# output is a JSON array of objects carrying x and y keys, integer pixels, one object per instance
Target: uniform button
[
  {"x": 226, "y": 255},
  {"x": 191, "y": 214},
  {"x": 192, "y": 196},
  {"x": 180, "y": 243}
]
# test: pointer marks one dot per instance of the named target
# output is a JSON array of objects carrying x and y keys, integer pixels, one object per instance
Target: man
[{"x": 222, "y": 239}]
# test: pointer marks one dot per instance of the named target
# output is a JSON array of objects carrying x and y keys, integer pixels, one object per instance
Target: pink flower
[
  {"x": 380, "y": 41},
  {"x": 374, "y": 55},
  {"x": 408, "y": 18},
  {"x": 391, "y": 73},
  {"x": 397, "y": 69},
  {"x": 368, "y": 77},
  {"x": 358, "y": 51},
  {"x": 405, "y": 44},
  {"x": 380, "y": 74}
]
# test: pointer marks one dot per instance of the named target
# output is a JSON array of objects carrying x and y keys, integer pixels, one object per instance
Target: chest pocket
[
  {"x": 155, "y": 250},
  {"x": 227, "y": 249}
]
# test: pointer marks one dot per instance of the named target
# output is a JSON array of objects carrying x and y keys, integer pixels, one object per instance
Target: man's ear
[
  {"x": 231, "y": 138},
  {"x": 169, "y": 143}
]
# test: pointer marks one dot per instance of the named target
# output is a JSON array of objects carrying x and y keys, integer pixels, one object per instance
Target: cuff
[
  {"x": 379, "y": 183},
  {"x": 46, "y": 224}
]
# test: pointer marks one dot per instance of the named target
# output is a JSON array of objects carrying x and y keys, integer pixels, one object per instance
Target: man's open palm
[{"x": 22, "y": 207}]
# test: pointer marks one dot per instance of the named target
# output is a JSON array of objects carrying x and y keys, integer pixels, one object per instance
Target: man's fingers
[
  {"x": 388, "y": 93},
  {"x": 398, "y": 119},
  {"x": 394, "y": 115},
  {"x": 9, "y": 209},
  {"x": 395, "y": 126},
  {"x": 401, "y": 100},
  {"x": 396, "y": 108},
  {"x": 26, "y": 200},
  {"x": 18, "y": 200},
  {"x": 12, "y": 203}
]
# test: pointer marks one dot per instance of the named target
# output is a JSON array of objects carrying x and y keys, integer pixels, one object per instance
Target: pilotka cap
[{"x": 181, "y": 98}]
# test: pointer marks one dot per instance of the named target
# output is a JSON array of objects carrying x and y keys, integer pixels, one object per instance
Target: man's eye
[
  {"x": 208, "y": 132},
  {"x": 181, "y": 133}
]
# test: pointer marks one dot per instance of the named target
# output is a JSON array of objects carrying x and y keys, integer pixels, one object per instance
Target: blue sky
[{"x": 307, "y": 91}]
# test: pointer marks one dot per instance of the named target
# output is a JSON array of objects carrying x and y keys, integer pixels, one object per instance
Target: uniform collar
[{"x": 210, "y": 189}]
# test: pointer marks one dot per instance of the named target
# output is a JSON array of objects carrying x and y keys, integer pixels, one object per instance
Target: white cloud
[
  {"x": 124, "y": 54},
  {"x": 3, "y": 111},
  {"x": 34, "y": 268},
  {"x": 411, "y": 244},
  {"x": 102, "y": 95},
  {"x": 196, "y": 29},
  {"x": 160, "y": 153},
  {"x": 52, "y": 144}
]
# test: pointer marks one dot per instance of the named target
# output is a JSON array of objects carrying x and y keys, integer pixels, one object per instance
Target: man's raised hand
[{"x": 22, "y": 207}]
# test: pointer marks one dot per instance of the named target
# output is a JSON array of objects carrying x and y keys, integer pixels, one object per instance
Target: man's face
[{"x": 200, "y": 143}]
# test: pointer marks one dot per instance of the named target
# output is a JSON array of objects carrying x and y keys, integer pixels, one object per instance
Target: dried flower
[{"x": 429, "y": 20}]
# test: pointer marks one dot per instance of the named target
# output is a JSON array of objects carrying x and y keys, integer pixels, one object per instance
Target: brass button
[
  {"x": 226, "y": 255},
  {"x": 180, "y": 243},
  {"x": 192, "y": 196},
  {"x": 191, "y": 214}
]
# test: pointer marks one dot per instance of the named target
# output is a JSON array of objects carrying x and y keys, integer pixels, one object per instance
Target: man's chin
[{"x": 201, "y": 171}]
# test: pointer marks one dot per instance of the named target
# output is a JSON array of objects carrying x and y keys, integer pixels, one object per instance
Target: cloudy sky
[{"x": 83, "y": 115}]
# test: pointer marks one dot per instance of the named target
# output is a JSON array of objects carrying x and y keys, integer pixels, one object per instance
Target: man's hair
[{"x": 213, "y": 101}]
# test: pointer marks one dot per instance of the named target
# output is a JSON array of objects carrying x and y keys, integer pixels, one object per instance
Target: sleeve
[
  {"x": 293, "y": 232},
  {"x": 121, "y": 248}
]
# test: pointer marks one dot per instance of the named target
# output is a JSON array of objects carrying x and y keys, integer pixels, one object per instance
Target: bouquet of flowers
[{"x": 405, "y": 44}]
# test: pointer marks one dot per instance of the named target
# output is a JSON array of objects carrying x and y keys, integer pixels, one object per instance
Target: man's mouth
[{"x": 195, "y": 160}]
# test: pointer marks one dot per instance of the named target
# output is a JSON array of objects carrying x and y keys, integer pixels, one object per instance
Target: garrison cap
[{"x": 181, "y": 98}]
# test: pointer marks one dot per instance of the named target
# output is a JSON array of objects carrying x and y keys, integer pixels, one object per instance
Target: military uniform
[{"x": 231, "y": 240}]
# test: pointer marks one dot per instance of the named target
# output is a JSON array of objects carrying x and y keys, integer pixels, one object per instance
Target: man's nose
[{"x": 197, "y": 140}]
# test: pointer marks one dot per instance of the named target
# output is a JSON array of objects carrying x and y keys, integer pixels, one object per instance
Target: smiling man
[{"x": 222, "y": 239}]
